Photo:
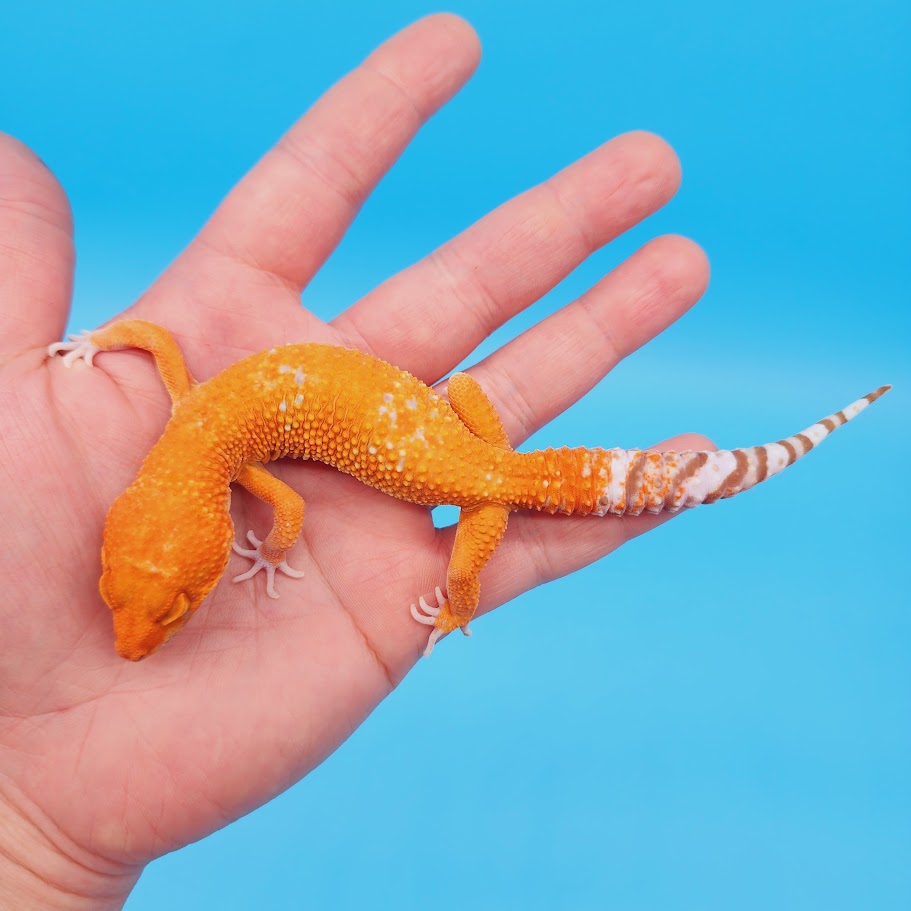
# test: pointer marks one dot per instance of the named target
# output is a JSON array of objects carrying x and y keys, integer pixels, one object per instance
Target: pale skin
[{"x": 104, "y": 764}]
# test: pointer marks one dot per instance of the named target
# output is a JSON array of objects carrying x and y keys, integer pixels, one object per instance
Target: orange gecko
[{"x": 384, "y": 427}]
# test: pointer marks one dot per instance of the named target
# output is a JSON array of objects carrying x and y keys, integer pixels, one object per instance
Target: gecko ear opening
[
  {"x": 103, "y": 587},
  {"x": 180, "y": 606}
]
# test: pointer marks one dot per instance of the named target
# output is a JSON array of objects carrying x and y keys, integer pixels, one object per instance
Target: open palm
[{"x": 105, "y": 764}]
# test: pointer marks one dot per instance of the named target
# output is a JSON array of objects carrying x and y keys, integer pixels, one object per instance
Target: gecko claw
[{"x": 260, "y": 562}]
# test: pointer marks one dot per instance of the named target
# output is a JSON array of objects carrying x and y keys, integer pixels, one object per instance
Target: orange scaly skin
[{"x": 169, "y": 535}]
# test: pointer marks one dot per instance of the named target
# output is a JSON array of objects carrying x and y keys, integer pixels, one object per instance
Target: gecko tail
[{"x": 650, "y": 481}]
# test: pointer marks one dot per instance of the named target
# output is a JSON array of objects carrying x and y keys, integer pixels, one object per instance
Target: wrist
[{"x": 41, "y": 868}]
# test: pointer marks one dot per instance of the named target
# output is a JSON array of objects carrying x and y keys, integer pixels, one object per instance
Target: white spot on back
[
  {"x": 387, "y": 396},
  {"x": 283, "y": 406},
  {"x": 412, "y": 404},
  {"x": 300, "y": 377}
]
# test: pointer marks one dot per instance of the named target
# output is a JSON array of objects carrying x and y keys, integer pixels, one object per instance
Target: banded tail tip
[
  {"x": 871, "y": 397},
  {"x": 675, "y": 480},
  {"x": 855, "y": 408},
  {"x": 762, "y": 462}
]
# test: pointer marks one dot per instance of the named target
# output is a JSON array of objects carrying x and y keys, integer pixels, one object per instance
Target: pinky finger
[{"x": 36, "y": 250}]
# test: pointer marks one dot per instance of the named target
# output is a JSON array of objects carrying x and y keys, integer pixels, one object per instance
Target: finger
[
  {"x": 36, "y": 250},
  {"x": 539, "y": 548},
  {"x": 576, "y": 346},
  {"x": 431, "y": 316},
  {"x": 290, "y": 211}
]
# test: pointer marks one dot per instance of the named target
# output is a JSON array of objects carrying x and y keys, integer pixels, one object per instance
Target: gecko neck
[{"x": 207, "y": 473}]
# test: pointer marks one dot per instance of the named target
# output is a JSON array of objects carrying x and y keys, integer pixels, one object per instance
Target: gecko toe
[
  {"x": 432, "y": 641},
  {"x": 421, "y": 618},
  {"x": 250, "y": 573},
  {"x": 244, "y": 551}
]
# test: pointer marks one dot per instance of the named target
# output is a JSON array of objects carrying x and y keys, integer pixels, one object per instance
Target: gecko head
[
  {"x": 148, "y": 607},
  {"x": 155, "y": 573}
]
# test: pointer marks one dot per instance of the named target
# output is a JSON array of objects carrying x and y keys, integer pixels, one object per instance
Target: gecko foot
[
  {"x": 260, "y": 562},
  {"x": 78, "y": 348},
  {"x": 429, "y": 615}
]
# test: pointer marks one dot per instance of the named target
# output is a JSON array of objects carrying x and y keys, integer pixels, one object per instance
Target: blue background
[{"x": 717, "y": 716}]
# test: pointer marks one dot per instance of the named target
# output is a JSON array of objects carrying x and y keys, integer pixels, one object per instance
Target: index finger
[{"x": 287, "y": 215}]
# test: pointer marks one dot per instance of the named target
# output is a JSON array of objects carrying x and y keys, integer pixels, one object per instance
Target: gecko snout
[
  {"x": 147, "y": 607},
  {"x": 137, "y": 634}
]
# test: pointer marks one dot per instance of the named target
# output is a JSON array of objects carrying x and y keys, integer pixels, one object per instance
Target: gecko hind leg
[
  {"x": 480, "y": 528},
  {"x": 479, "y": 531},
  {"x": 269, "y": 555}
]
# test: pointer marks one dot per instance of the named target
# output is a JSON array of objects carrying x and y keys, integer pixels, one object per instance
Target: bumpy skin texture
[{"x": 169, "y": 535}]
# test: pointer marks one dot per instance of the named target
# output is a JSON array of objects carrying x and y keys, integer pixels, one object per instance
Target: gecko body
[{"x": 168, "y": 537}]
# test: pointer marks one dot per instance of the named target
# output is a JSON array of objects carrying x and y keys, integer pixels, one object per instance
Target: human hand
[{"x": 107, "y": 764}]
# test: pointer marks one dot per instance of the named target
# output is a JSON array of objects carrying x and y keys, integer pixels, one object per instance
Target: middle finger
[{"x": 430, "y": 316}]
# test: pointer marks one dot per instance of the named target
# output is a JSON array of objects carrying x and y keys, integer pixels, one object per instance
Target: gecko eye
[{"x": 180, "y": 606}]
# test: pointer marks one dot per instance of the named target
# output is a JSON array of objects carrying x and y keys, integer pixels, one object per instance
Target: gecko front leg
[
  {"x": 288, "y": 505},
  {"x": 131, "y": 333}
]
